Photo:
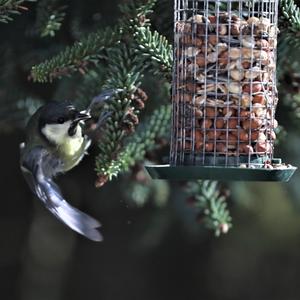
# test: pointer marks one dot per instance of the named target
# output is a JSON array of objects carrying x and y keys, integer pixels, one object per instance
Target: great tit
[{"x": 55, "y": 143}]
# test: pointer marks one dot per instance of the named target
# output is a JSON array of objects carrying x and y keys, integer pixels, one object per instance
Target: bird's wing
[{"x": 38, "y": 167}]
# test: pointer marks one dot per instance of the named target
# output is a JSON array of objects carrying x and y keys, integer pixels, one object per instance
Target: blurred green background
[{"x": 153, "y": 250}]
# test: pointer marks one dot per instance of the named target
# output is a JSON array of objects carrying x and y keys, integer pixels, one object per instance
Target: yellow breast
[
  {"x": 70, "y": 149},
  {"x": 72, "y": 145}
]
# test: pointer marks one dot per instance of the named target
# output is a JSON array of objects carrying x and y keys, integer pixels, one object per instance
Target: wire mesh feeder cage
[{"x": 224, "y": 92}]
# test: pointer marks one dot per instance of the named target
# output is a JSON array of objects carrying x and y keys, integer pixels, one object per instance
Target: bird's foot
[
  {"x": 103, "y": 97},
  {"x": 103, "y": 118}
]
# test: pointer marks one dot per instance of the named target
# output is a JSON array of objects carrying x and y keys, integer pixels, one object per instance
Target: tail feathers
[
  {"x": 39, "y": 166},
  {"x": 79, "y": 215},
  {"x": 77, "y": 220}
]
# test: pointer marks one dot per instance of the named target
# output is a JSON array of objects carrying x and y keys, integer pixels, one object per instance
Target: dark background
[{"x": 149, "y": 252}]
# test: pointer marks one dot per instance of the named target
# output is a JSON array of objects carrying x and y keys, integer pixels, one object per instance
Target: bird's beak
[{"x": 82, "y": 116}]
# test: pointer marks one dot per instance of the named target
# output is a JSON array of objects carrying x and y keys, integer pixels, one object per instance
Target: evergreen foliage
[
  {"x": 156, "y": 50},
  {"x": 134, "y": 151},
  {"x": 50, "y": 15},
  {"x": 94, "y": 46},
  {"x": 136, "y": 13},
  {"x": 77, "y": 57},
  {"x": 292, "y": 13},
  {"x": 288, "y": 58},
  {"x": 211, "y": 205},
  {"x": 123, "y": 73},
  {"x": 119, "y": 58},
  {"x": 9, "y": 8}
]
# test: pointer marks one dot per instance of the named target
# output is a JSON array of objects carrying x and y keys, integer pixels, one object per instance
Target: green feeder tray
[{"x": 280, "y": 173}]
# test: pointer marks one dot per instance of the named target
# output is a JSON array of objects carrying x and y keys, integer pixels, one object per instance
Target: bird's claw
[
  {"x": 103, "y": 118},
  {"x": 104, "y": 96}
]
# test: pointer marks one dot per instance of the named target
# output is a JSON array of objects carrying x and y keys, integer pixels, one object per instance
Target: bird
[{"x": 55, "y": 143}]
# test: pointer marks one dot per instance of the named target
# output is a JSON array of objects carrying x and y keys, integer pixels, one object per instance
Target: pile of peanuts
[{"x": 226, "y": 80}]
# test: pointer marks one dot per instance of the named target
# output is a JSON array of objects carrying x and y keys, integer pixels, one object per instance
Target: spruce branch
[
  {"x": 50, "y": 15},
  {"x": 139, "y": 190},
  {"x": 292, "y": 14},
  {"x": 144, "y": 140},
  {"x": 124, "y": 72},
  {"x": 136, "y": 13},
  {"x": 77, "y": 57},
  {"x": 8, "y": 8},
  {"x": 206, "y": 197},
  {"x": 155, "y": 49},
  {"x": 93, "y": 47}
]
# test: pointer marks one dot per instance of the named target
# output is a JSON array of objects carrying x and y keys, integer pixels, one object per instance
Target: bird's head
[{"x": 58, "y": 121}]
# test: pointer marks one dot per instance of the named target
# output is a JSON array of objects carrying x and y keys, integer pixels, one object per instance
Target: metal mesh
[{"x": 224, "y": 82}]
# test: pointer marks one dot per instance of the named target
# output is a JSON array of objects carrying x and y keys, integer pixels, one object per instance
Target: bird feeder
[{"x": 224, "y": 92}]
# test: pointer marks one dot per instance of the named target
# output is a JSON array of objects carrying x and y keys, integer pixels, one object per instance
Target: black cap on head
[
  {"x": 61, "y": 112},
  {"x": 57, "y": 113}
]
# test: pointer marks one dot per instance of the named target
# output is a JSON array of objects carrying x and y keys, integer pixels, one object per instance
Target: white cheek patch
[{"x": 57, "y": 133}]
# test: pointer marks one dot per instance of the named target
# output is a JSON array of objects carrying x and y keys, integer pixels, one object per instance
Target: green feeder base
[{"x": 283, "y": 174}]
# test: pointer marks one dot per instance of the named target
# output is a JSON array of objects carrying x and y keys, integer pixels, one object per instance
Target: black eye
[{"x": 61, "y": 120}]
